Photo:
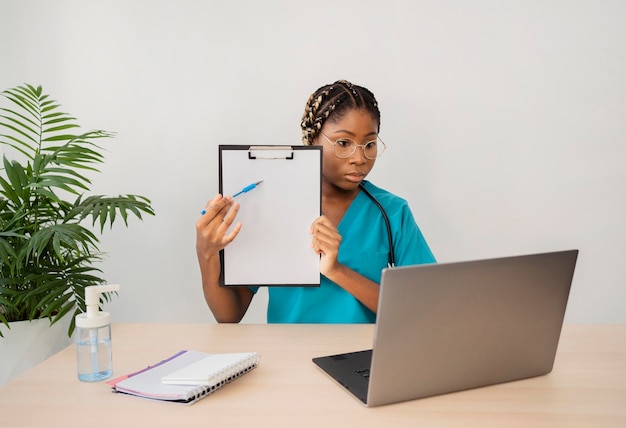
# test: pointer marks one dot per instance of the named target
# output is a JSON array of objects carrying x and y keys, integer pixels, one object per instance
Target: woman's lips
[{"x": 355, "y": 176}]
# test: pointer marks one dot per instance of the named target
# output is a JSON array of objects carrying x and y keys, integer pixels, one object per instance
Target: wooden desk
[{"x": 586, "y": 389}]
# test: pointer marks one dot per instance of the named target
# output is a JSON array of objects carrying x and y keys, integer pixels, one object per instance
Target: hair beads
[{"x": 332, "y": 101}]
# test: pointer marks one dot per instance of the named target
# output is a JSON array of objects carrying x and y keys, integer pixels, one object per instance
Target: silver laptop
[{"x": 454, "y": 326}]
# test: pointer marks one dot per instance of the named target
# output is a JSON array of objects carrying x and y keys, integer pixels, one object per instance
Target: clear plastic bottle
[{"x": 94, "y": 354}]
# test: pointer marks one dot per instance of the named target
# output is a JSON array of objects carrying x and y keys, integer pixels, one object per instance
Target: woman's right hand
[
  {"x": 228, "y": 304},
  {"x": 212, "y": 228}
]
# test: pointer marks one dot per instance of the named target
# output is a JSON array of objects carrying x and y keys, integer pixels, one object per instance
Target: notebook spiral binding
[{"x": 203, "y": 390}]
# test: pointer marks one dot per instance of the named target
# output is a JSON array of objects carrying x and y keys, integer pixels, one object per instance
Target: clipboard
[{"x": 273, "y": 247}]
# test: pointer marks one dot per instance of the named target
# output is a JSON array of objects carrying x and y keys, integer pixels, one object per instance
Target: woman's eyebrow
[{"x": 373, "y": 133}]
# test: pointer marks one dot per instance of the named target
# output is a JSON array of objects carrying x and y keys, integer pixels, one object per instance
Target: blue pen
[
  {"x": 244, "y": 190},
  {"x": 247, "y": 188}
]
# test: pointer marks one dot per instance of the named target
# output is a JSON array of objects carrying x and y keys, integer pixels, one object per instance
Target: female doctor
[{"x": 362, "y": 230}]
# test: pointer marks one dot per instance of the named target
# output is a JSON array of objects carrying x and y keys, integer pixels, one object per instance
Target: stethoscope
[{"x": 392, "y": 258}]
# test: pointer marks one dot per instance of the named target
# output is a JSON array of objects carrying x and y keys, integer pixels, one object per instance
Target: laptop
[{"x": 449, "y": 327}]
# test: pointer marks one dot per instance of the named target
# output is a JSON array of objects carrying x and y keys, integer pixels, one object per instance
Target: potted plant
[{"x": 48, "y": 255}]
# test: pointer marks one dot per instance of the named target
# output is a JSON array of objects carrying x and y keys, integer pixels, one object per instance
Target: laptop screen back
[{"x": 454, "y": 326}]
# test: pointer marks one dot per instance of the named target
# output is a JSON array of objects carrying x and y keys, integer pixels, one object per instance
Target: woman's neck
[{"x": 336, "y": 201}]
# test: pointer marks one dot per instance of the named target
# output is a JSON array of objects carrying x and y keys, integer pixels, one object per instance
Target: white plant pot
[{"x": 27, "y": 343}]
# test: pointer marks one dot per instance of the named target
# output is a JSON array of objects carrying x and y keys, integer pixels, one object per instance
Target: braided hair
[{"x": 332, "y": 102}]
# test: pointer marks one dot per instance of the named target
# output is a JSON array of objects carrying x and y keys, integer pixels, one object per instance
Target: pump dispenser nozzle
[
  {"x": 92, "y": 297},
  {"x": 94, "y": 317}
]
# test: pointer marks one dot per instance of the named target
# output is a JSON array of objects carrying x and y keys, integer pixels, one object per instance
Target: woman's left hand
[{"x": 326, "y": 241}]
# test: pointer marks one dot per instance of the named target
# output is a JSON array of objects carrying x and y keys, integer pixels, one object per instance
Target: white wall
[{"x": 505, "y": 120}]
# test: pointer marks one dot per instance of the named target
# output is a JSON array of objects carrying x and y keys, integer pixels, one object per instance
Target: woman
[{"x": 351, "y": 236}]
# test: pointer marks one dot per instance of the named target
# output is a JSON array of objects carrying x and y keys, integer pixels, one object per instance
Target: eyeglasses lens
[{"x": 345, "y": 148}]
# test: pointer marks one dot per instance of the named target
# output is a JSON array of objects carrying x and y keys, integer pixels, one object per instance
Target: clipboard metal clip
[{"x": 270, "y": 152}]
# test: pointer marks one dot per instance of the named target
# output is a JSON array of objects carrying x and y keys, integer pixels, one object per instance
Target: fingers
[
  {"x": 326, "y": 238},
  {"x": 323, "y": 227},
  {"x": 213, "y": 226},
  {"x": 232, "y": 235},
  {"x": 216, "y": 206},
  {"x": 322, "y": 221},
  {"x": 226, "y": 212},
  {"x": 218, "y": 210},
  {"x": 326, "y": 241},
  {"x": 226, "y": 223}
]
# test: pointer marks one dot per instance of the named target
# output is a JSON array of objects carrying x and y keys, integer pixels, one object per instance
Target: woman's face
[{"x": 346, "y": 174}]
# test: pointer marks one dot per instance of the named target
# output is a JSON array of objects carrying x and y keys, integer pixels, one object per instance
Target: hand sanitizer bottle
[{"x": 93, "y": 337}]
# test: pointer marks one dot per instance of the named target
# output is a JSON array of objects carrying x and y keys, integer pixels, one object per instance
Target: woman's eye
[
  {"x": 344, "y": 143},
  {"x": 371, "y": 145}
]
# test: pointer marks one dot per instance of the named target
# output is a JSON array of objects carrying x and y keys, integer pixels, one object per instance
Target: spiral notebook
[{"x": 187, "y": 376}]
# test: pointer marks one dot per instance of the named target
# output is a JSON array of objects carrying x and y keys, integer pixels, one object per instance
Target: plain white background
[{"x": 505, "y": 120}]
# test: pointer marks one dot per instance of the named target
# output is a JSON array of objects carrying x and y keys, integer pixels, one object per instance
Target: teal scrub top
[{"x": 364, "y": 249}]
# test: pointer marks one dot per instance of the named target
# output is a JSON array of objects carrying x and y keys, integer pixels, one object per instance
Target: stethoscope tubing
[{"x": 392, "y": 258}]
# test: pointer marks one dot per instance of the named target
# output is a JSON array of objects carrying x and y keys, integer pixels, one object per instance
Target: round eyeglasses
[{"x": 345, "y": 147}]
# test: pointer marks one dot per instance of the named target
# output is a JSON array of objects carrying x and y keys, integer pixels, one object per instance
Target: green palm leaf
[{"x": 47, "y": 256}]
